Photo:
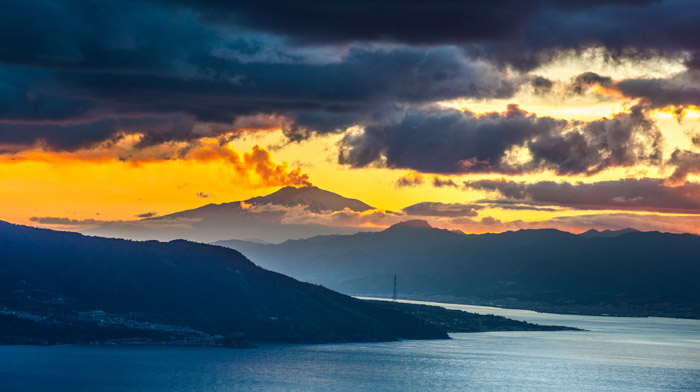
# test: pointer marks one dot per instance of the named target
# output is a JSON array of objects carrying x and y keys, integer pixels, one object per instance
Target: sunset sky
[{"x": 503, "y": 115}]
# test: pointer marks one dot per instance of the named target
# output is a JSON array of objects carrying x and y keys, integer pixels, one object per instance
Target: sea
[{"x": 612, "y": 354}]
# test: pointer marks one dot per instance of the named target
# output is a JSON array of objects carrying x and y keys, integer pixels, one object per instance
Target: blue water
[{"x": 616, "y": 354}]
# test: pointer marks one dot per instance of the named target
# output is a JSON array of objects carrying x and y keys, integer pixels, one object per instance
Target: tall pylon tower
[{"x": 393, "y": 297}]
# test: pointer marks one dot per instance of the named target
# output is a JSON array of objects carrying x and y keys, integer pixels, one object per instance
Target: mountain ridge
[
  {"x": 607, "y": 233},
  {"x": 272, "y": 218},
  {"x": 209, "y": 288},
  {"x": 313, "y": 198},
  {"x": 260, "y": 218},
  {"x": 627, "y": 273}
]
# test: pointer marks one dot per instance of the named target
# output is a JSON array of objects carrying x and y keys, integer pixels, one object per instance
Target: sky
[{"x": 477, "y": 116}]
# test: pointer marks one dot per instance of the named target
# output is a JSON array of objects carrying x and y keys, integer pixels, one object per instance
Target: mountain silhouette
[
  {"x": 259, "y": 219},
  {"x": 312, "y": 198},
  {"x": 592, "y": 233},
  {"x": 208, "y": 288},
  {"x": 624, "y": 272},
  {"x": 413, "y": 224}
]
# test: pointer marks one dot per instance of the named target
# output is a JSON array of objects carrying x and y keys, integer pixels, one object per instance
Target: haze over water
[{"x": 614, "y": 354}]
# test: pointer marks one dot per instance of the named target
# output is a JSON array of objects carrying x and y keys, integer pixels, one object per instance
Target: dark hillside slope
[
  {"x": 208, "y": 288},
  {"x": 630, "y": 273}
]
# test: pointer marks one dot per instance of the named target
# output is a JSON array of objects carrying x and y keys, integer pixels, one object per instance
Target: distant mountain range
[
  {"x": 609, "y": 272},
  {"x": 619, "y": 272},
  {"x": 287, "y": 214},
  {"x": 259, "y": 219},
  {"x": 74, "y": 287},
  {"x": 592, "y": 233}
]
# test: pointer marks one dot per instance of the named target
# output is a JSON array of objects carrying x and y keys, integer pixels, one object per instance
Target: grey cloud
[
  {"x": 384, "y": 20},
  {"x": 440, "y": 140},
  {"x": 541, "y": 85},
  {"x": 75, "y": 71},
  {"x": 586, "y": 80},
  {"x": 624, "y": 140},
  {"x": 682, "y": 89},
  {"x": 441, "y": 183},
  {"x": 437, "y": 140},
  {"x": 625, "y": 30},
  {"x": 523, "y": 33},
  {"x": 314, "y": 98},
  {"x": 410, "y": 180},
  {"x": 685, "y": 162},
  {"x": 48, "y": 220},
  {"x": 490, "y": 221},
  {"x": 453, "y": 210},
  {"x": 512, "y": 205},
  {"x": 646, "y": 194}
]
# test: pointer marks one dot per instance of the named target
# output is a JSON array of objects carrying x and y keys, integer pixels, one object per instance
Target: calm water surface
[{"x": 616, "y": 354}]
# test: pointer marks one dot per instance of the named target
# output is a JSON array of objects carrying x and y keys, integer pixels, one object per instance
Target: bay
[{"x": 613, "y": 354}]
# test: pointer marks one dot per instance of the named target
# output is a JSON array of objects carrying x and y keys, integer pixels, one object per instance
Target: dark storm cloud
[
  {"x": 59, "y": 136},
  {"x": 541, "y": 85},
  {"x": 27, "y": 93},
  {"x": 361, "y": 77},
  {"x": 415, "y": 22},
  {"x": 522, "y": 33},
  {"x": 119, "y": 36},
  {"x": 437, "y": 140},
  {"x": 450, "y": 210},
  {"x": 113, "y": 34},
  {"x": 631, "y": 30},
  {"x": 77, "y": 72},
  {"x": 316, "y": 98},
  {"x": 72, "y": 66},
  {"x": 644, "y": 194},
  {"x": 440, "y": 140},
  {"x": 624, "y": 140},
  {"x": 681, "y": 90},
  {"x": 70, "y": 136},
  {"x": 586, "y": 80},
  {"x": 685, "y": 162}
]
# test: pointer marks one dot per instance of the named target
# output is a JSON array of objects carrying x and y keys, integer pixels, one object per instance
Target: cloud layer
[
  {"x": 77, "y": 73},
  {"x": 156, "y": 80},
  {"x": 646, "y": 194},
  {"x": 448, "y": 141}
]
